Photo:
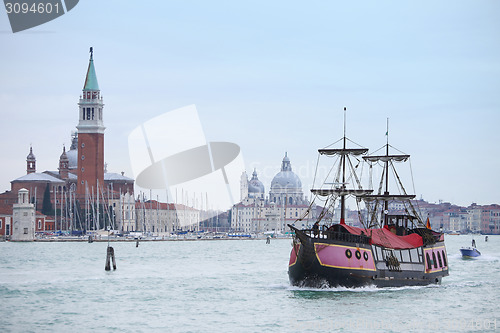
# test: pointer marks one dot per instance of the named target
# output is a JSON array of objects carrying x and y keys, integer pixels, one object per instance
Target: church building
[
  {"x": 81, "y": 194},
  {"x": 285, "y": 203}
]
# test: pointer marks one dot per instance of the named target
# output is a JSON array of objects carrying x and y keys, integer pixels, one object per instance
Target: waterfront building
[
  {"x": 285, "y": 203},
  {"x": 490, "y": 219},
  {"x": 23, "y": 218},
  {"x": 81, "y": 194},
  {"x": 158, "y": 218},
  {"x": 473, "y": 218}
]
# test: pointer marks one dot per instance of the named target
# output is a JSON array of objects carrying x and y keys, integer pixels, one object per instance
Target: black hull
[{"x": 320, "y": 263}]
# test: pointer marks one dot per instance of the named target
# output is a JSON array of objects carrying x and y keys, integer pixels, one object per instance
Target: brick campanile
[{"x": 90, "y": 127}]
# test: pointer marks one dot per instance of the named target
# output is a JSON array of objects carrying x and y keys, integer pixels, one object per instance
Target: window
[
  {"x": 83, "y": 157},
  {"x": 434, "y": 259},
  {"x": 429, "y": 263},
  {"x": 92, "y": 113},
  {"x": 25, "y": 231},
  {"x": 39, "y": 224},
  {"x": 439, "y": 259},
  {"x": 83, "y": 144},
  {"x": 444, "y": 258},
  {"x": 25, "y": 214},
  {"x": 0, "y": 224}
]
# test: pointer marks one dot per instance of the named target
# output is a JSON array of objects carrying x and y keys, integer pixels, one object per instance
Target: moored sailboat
[{"x": 391, "y": 248}]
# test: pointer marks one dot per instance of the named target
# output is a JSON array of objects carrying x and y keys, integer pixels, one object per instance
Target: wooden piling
[{"x": 110, "y": 256}]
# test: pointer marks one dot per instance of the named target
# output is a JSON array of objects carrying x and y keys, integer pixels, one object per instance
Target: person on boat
[
  {"x": 473, "y": 243},
  {"x": 316, "y": 228}
]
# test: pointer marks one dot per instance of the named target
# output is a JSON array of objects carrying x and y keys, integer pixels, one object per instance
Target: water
[{"x": 228, "y": 286}]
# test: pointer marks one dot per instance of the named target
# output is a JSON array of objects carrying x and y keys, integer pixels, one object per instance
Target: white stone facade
[{"x": 23, "y": 223}]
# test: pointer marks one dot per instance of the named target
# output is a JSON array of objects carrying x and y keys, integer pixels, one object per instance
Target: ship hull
[
  {"x": 319, "y": 263},
  {"x": 470, "y": 253}
]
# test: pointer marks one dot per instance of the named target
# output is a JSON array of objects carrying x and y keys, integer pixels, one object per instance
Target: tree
[{"x": 47, "y": 205}]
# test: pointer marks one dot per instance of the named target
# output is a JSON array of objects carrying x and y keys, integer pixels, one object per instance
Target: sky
[{"x": 272, "y": 77}]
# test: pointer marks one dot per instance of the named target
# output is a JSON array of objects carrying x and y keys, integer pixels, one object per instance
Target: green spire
[{"x": 91, "y": 78}]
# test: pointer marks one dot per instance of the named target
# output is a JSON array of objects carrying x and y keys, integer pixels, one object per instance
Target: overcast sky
[{"x": 270, "y": 76}]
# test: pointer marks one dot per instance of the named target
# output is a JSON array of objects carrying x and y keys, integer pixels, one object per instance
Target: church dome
[
  {"x": 72, "y": 153},
  {"x": 64, "y": 156},
  {"x": 286, "y": 178},
  {"x": 255, "y": 185},
  {"x": 31, "y": 156},
  {"x": 72, "y": 156}
]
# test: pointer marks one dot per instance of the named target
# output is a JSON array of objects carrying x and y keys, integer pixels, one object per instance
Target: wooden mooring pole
[{"x": 110, "y": 256}]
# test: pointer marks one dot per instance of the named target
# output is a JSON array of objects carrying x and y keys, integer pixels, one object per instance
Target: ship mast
[
  {"x": 387, "y": 161},
  {"x": 338, "y": 188},
  {"x": 342, "y": 197},
  {"x": 386, "y": 202}
]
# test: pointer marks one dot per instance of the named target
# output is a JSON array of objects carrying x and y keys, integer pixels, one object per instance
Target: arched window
[
  {"x": 429, "y": 262},
  {"x": 434, "y": 259},
  {"x": 290, "y": 201},
  {"x": 444, "y": 258}
]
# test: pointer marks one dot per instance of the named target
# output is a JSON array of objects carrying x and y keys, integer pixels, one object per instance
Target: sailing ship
[{"x": 392, "y": 248}]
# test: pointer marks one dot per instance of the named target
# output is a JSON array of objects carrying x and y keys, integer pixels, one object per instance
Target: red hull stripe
[{"x": 293, "y": 255}]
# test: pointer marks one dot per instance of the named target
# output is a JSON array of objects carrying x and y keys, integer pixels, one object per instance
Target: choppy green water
[{"x": 228, "y": 286}]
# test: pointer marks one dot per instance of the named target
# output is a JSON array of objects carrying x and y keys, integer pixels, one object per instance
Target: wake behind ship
[{"x": 393, "y": 248}]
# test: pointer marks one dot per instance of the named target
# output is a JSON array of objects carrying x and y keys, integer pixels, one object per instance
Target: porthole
[
  {"x": 83, "y": 157},
  {"x": 348, "y": 253},
  {"x": 82, "y": 182},
  {"x": 83, "y": 169},
  {"x": 83, "y": 144},
  {"x": 358, "y": 254},
  {"x": 365, "y": 256}
]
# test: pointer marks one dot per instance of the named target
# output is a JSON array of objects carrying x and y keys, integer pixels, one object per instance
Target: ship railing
[{"x": 337, "y": 235}]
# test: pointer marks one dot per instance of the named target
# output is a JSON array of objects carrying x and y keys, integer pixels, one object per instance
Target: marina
[{"x": 227, "y": 286}]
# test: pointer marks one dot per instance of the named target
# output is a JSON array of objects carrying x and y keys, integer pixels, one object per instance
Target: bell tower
[
  {"x": 90, "y": 127},
  {"x": 31, "y": 162}
]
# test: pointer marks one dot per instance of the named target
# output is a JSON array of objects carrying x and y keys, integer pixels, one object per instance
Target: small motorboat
[{"x": 470, "y": 252}]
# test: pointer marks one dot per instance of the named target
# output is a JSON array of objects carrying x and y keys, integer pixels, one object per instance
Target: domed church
[
  {"x": 286, "y": 187},
  {"x": 255, "y": 187},
  {"x": 285, "y": 204}
]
